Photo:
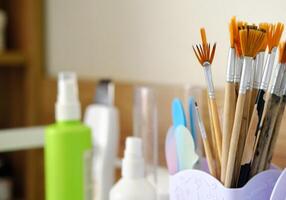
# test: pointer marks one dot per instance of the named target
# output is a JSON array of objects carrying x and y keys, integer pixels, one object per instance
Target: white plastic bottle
[
  {"x": 133, "y": 185},
  {"x": 103, "y": 119}
]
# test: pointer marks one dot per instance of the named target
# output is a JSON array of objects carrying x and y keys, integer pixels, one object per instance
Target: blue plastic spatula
[
  {"x": 186, "y": 154},
  {"x": 193, "y": 119},
  {"x": 178, "y": 114},
  {"x": 171, "y": 151}
]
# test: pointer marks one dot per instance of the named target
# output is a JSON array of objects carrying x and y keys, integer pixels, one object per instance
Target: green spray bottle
[{"x": 66, "y": 142}]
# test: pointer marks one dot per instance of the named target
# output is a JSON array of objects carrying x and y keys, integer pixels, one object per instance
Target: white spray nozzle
[
  {"x": 67, "y": 106},
  {"x": 67, "y": 88}
]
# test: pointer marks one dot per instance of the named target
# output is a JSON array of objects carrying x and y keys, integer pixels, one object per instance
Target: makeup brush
[
  {"x": 251, "y": 40},
  {"x": 269, "y": 115},
  {"x": 205, "y": 55},
  {"x": 229, "y": 98},
  {"x": 273, "y": 37},
  {"x": 277, "y": 126},
  {"x": 208, "y": 148}
]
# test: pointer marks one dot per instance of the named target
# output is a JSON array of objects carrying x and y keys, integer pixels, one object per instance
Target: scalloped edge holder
[{"x": 199, "y": 185}]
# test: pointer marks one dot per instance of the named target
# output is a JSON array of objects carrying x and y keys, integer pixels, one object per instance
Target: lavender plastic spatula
[{"x": 171, "y": 152}]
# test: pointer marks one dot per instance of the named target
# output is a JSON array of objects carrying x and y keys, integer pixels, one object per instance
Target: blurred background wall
[{"x": 129, "y": 39}]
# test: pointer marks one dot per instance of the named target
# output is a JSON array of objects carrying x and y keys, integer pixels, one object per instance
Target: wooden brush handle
[
  {"x": 251, "y": 138},
  {"x": 242, "y": 136},
  {"x": 210, "y": 157},
  {"x": 254, "y": 127},
  {"x": 254, "y": 94},
  {"x": 234, "y": 140},
  {"x": 275, "y": 134},
  {"x": 248, "y": 149},
  {"x": 212, "y": 143},
  {"x": 216, "y": 124},
  {"x": 269, "y": 117},
  {"x": 270, "y": 132},
  {"x": 228, "y": 118},
  {"x": 236, "y": 90}
]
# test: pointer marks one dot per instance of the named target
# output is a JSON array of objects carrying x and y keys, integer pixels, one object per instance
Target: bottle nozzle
[
  {"x": 133, "y": 147},
  {"x": 67, "y": 106},
  {"x": 133, "y": 162}
]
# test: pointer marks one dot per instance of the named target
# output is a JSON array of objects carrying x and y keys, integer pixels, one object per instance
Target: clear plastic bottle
[{"x": 133, "y": 185}]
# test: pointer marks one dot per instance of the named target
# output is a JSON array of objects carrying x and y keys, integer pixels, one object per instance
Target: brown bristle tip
[
  {"x": 204, "y": 53},
  {"x": 282, "y": 52},
  {"x": 253, "y": 26},
  {"x": 251, "y": 41},
  {"x": 274, "y": 35},
  {"x": 239, "y": 26},
  {"x": 264, "y": 26}
]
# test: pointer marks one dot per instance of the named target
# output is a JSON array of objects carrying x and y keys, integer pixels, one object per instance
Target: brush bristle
[
  {"x": 237, "y": 44},
  {"x": 204, "y": 36},
  {"x": 263, "y": 45},
  {"x": 282, "y": 52},
  {"x": 274, "y": 35},
  {"x": 264, "y": 27},
  {"x": 251, "y": 40},
  {"x": 204, "y": 52},
  {"x": 232, "y": 32}
]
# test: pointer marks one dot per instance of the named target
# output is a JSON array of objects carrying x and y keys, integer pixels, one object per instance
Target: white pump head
[
  {"x": 67, "y": 105},
  {"x": 133, "y": 162}
]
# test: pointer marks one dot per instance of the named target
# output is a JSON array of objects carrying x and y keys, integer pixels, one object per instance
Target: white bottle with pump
[{"x": 133, "y": 185}]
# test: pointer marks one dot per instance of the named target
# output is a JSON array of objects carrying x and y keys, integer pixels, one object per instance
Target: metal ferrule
[
  {"x": 277, "y": 77},
  {"x": 283, "y": 82},
  {"x": 238, "y": 69},
  {"x": 250, "y": 77},
  {"x": 208, "y": 76},
  {"x": 259, "y": 64},
  {"x": 230, "y": 65},
  {"x": 268, "y": 69},
  {"x": 245, "y": 76},
  {"x": 284, "y": 85}
]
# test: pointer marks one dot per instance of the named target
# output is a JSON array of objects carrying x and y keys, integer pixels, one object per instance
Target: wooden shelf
[{"x": 11, "y": 58}]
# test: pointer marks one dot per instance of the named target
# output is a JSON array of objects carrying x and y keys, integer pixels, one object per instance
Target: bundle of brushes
[{"x": 255, "y": 98}]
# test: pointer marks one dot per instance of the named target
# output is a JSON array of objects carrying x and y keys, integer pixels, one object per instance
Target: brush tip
[
  {"x": 203, "y": 36},
  {"x": 239, "y": 25},
  {"x": 251, "y": 40},
  {"x": 282, "y": 52},
  {"x": 232, "y": 31},
  {"x": 274, "y": 35},
  {"x": 204, "y": 52}
]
